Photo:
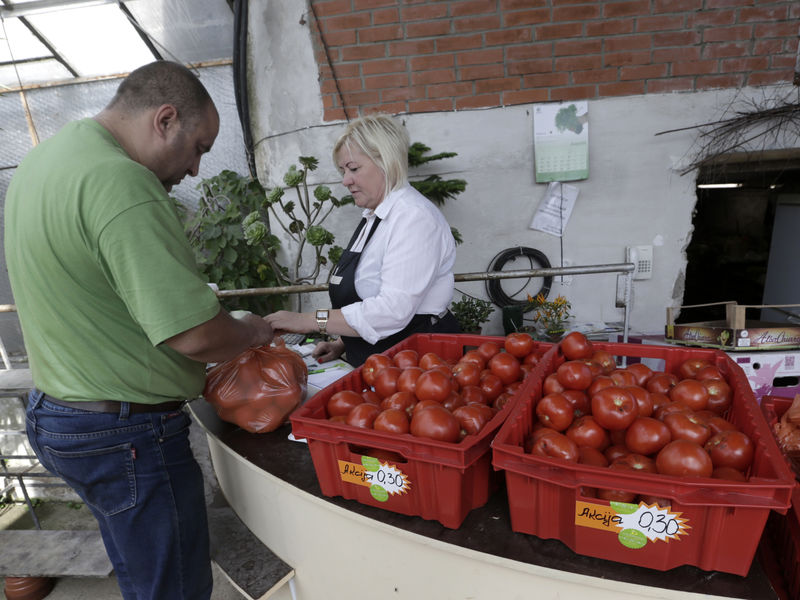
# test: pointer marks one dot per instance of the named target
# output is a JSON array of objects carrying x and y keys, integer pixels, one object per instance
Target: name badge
[{"x": 336, "y": 279}]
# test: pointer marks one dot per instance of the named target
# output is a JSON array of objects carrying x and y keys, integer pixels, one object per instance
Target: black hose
[
  {"x": 495, "y": 290},
  {"x": 240, "y": 18}
]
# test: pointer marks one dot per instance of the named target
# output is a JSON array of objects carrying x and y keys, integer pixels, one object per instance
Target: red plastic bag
[{"x": 258, "y": 389}]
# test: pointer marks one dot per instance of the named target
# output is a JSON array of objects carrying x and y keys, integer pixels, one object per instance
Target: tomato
[
  {"x": 392, "y": 420},
  {"x": 730, "y": 449},
  {"x": 436, "y": 423},
  {"x": 595, "y": 368},
  {"x": 691, "y": 392},
  {"x": 574, "y": 375},
  {"x": 473, "y": 356},
  {"x": 659, "y": 400},
  {"x": 471, "y": 418},
  {"x": 687, "y": 426},
  {"x": 670, "y": 407},
  {"x": 684, "y": 459},
  {"x": 575, "y": 346},
  {"x": 423, "y": 404},
  {"x": 342, "y": 402},
  {"x": 453, "y": 401},
  {"x": 580, "y": 402},
  {"x": 661, "y": 382},
  {"x": 551, "y": 384},
  {"x": 720, "y": 395},
  {"x": 373, "y": 364},
  {"x": 606, "y": 361},
  {"x": 386, "y": 381},
  {"x": 647, "y": 436},
  {"x": 371, "y": 397},
  {"x": 500, "y": 402},
  {"x": 554, "y": 411},
  {"x": 617, "y": 437},
  {"x": 591, "y": 456},
  {"x": 491, "y": 385},
  {"x": 488, "y": 350},
  {"x": 407, "y": 382},
  {"x": 623, "y": 377},
  {"x": 613, "y": 452},
  {"x": 406, "y": 358},
  {"x": 718, "y": 424},
  {"x": 644, "y": 400},
  {"x": 505, "y": 366},
  {"x": 518, "y": 344},
  {"x": 728, "y": 473},
  {"x": 614, "y": 408},
  {"x": 637, "y": 462},
  {"x": 467, "y": 373},
  {"x": 363, "y": 415},
  {"x": 472, "y": 394},
  {"x": 405, "y": 401},
  {"x": 708, "y": 372},
  {"x": 688, "y": 369},
  {"x": 433, "y": 385},
  {"x": 598, "y": 383},
  {"x": 641, "y": 373},
  {"x": 556, "y": 445},
  {"x": 586, "y": 432},
  {"x": 430, "y": 360}
]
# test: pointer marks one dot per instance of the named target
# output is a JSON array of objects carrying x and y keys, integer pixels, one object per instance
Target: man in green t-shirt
[{"x": 118, "y": 322}]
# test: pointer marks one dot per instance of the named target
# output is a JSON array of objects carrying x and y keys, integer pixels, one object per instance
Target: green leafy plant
[
  {"x": 305, "y": 211},
  {"x": 471, "y": 312},
  {"x": 223, "y": 254},
  {"x": 433, "y": 187}
]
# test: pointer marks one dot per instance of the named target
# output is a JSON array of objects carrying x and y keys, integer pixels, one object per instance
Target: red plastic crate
[
  {"x": 439, "y": 481},
  {"x": 711, "y": 523},
  {"x": 782, "y": 533}
]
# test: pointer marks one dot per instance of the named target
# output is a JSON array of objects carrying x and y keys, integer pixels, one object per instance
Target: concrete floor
[{"x": 60, "y": 514}]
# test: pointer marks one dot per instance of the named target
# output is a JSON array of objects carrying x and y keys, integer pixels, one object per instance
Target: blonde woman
[{"x": 396, "y": 276}]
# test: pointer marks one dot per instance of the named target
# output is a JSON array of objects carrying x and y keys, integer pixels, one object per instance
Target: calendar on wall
[{"x": 561, "y": 141}]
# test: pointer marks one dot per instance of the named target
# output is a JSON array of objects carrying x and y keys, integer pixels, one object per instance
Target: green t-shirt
[{"x": 101, "y": 272}]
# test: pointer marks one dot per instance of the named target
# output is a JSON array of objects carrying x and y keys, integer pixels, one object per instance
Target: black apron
[{"x": 344, "y": 292}]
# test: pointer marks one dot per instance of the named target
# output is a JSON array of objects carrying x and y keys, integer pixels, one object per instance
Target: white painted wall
[{"x": 634, "y": 194}]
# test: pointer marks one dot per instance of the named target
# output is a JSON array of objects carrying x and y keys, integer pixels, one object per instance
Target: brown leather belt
[{"x": 114, "y": 406}]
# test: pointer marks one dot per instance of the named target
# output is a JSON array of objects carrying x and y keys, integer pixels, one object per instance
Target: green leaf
[
  {"x": 309, "y": 162},
  {"x": 322, "y": 193},
  {"x": 293, "y": 177},
  {"x": 288, "y": 207},
  {"x": 319, "y": 236}
]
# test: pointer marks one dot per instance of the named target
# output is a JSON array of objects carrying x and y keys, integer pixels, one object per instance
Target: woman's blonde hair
[{"x": 384, "y": 141}]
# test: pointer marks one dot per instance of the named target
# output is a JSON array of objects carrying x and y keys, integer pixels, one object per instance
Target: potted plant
[
  {"x": 471, "y": 313},
  {"x": 549, "y": 316}
]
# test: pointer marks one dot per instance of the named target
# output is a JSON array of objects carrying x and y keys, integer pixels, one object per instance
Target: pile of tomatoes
[
  {"x": 430, "y": 398},
  {"x": 637, "y": 419}
]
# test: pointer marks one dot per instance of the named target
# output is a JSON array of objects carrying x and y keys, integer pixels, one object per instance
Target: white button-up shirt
[{"x": 406, "y": 269}]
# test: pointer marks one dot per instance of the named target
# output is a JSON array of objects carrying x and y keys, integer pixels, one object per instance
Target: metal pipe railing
[{"x": 626, "y": 269}]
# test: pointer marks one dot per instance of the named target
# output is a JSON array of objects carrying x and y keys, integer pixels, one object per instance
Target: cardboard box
[
  {"x": 771, "y": 373},
  {"x": 734, "y": 333}
]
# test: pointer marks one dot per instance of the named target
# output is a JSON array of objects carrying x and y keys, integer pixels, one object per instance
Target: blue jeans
[{"x": 138, "y": 476}]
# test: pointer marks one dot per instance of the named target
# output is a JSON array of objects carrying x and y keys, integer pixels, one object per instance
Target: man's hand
[
  {"x": 325, "y": 351},
  {"x": 221, "y": 338}
]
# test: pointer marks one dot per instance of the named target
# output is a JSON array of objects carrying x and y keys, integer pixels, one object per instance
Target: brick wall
[{"x": 441, "y": 55}]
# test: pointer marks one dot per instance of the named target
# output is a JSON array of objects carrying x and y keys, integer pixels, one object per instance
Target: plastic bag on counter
[{"x": 258, "y": 389}]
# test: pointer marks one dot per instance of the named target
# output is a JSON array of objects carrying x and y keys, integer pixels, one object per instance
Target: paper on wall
[{"x": 555, "y": 208}]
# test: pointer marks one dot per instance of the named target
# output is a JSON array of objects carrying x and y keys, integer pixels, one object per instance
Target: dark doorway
[{"x": 729, "y": 251}]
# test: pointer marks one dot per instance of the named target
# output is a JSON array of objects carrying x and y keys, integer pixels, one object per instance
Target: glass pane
[
  {"x": 97, "y": 40},
  {"x": 18, "y": 42}
]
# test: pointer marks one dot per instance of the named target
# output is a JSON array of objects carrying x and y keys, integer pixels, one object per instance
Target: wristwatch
[{"x": 322, "y": 320}]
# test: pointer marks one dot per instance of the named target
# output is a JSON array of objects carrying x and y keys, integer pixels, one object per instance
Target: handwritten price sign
[
  {"x": 634, "y": 524},
  {"x": 383, "y": 479}
]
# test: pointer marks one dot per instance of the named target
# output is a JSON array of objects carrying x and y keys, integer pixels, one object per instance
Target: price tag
[
  {"x": 383, "y": 479},
  {"x": 634, "y": 524}
]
